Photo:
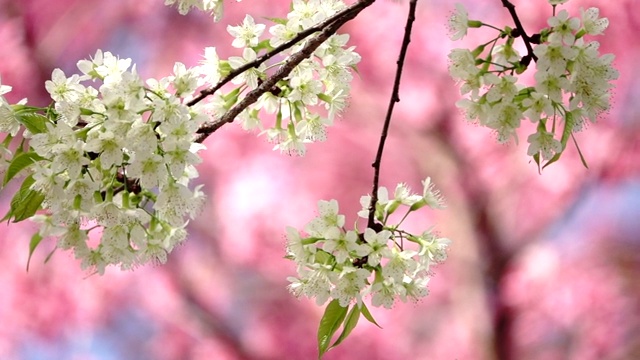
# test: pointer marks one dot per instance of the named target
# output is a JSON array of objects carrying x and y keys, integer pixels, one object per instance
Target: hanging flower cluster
[
  {"x": 572, "y": 79},
  {"x": 386, "y": 263}
]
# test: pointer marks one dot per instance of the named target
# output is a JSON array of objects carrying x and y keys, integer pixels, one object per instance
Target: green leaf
[
  {"x": 46, "y": 260},
  {"x": 25, "y": 202},
  {"x": 20, "y": 162},
  {"x": 35, "y": 123},
  {"x": 331, "y": 320},
  {"x": 281, "y": 21},
  {"x": 264, "y": 44},
  {"x": 33, "y": 244},
  {"x": 367, "y": 315},
  {"x": 536, "y": 158},
  {"x": 584, "y": 162},
  {"x": 349, "y": 324},
  {"x": 566, "y": 134}
]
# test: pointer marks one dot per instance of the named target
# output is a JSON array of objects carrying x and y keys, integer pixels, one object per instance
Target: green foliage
[
  {"x": 25, "y": 202},
  {"x": 336, "y": 316},
  {"x": 19, "y": 163},
  {"x": 333, "y": 317}
]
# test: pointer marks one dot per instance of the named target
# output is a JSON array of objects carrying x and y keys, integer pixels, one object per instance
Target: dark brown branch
[
  {"x": 395, "y": 97},
  {"x": 351, "y": 12},
  {"x": 275, "y": 51},
  {"x": 526, "y": 38}
]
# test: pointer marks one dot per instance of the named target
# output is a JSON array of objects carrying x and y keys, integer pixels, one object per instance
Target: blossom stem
[
  {"x": 526, "y": 38},
  {"x": 395, "y": 97}
]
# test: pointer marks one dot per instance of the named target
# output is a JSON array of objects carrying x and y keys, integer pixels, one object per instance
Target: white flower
[
  {"x": 210, "y": 66},
  {"x": 384, "y": 293},
  {"x": 345, "y": 246},
  {"x": 108, "y": 146},
  {"x": 505, "y": 119},
  {"x": 250, "y": 77},
  {"x": 313, "y": 128},
  {"x": 314, "y": 282},
  {"x": 415, "y": 288},
  {"x": 8, "y": 120},
  {"x": 400, "y": 262},
  {"x": 431, "y": 196},
  {"x": 149, "y": 168},
  {"x": 551, "y": 85},
  {"x": 304, "y": 88},
  {"x": 69, "y": 157},
  {"x": 537, "y": 104},
  {"x": 62, "y": 88},
  {"x": 185, "y": 81},
  {"x": 379, "y": 244},
  {"x": 553, "y": 58},
  {"x": 462, "y": 65},
  {"x": 305, "y": 14},
  {"x": 591, "y": 23},
  {"x": 365, "y": 201},
  {"x": 432, "y": 248},
  {"x": 458, "y": 23},
  {"x": 350, "y": 284},
  {"x": 281, "y": 33},
  {"x": 247, "y": 34},
  {"x": 544, "y": 143},
  {"x": 293, "y": 144},
  {"x": 503, "y": 88},
  {"x": 4, "y": 88},
  {"x": 112, "y": 68},
  {"x": 563, "y": 28}
]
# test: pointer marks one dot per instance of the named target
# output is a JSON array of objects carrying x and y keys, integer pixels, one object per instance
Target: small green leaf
[
  {"x": 20, "y": 162},
  {"x": 46, "y": 260},
  {"x": 367, "y": 315},
  {"x": 566, "y": 134},
  {"x": 281, "y": 21},
  {"x": 536, "y": 158},
  {"x": 584, "y": 162},
  {"x": 25, "y": 202},
  {"x": 33, "y": 244},
  {"x": 35, "y": 123},
  {"x": 264, "y": 44},
  {"x": 349, "y": 324},
  {"x": 331, "y": 320}
]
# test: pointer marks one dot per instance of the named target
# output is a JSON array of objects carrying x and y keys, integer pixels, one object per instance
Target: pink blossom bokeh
[{"x": 542, "y": 266}]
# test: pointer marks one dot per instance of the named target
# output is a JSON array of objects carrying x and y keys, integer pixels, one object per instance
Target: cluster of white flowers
[
  {"x": 214, "y": 7},
  {"x": 9, "y": 125},
  {"x": 572, "y": 79},
  {"x": 323, "y": 79},
  {"x": 347, "y": 265},
  {"x": 115, "y": 161}
]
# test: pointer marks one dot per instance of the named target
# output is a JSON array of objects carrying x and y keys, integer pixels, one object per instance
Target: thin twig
[
  {"x": 328, "y": 28},
  {"x": 395, "y": 97},
  {"x": 261, "y": 59},
  {"x": 526, "y": 38}
]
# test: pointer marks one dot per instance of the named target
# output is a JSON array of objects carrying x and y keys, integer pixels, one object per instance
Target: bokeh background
[{"x": 542, "y": 266}]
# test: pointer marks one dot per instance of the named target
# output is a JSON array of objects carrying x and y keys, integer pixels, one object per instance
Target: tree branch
[
  {"x": 326, "y": 28},
  {"x": 526, "y": 38},
  {"x": 395, "y": 97}
]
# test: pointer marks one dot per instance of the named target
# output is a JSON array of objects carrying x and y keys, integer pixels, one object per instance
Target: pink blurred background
[{"x": 541, "y": 266}]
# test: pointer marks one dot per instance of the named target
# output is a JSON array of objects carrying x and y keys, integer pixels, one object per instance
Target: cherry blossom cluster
[
  {"x": 112, "y": 162},
  {"x": 386, "y": 263},
  {"x": 7, "y": 125},
  {"x": 305, "y": 103},
  {"x": 108, "y": 165},
  {"x": 572, "y": 79},
  {"x": 214, "y": 7}
]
